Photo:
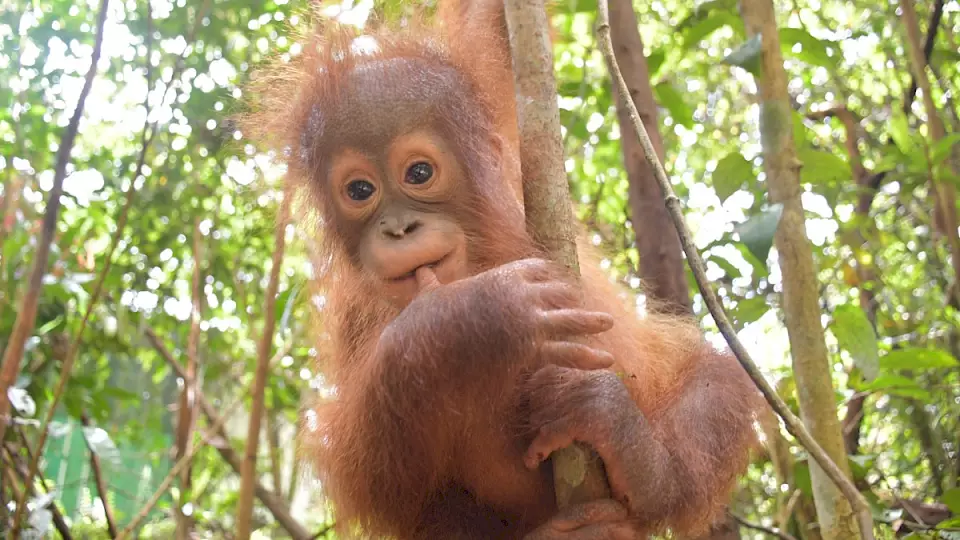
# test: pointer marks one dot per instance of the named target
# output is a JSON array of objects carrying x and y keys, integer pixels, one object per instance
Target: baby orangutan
[{"x": 460, "y": 357}]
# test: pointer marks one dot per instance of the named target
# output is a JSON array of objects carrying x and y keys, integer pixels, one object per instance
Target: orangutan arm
[
  {"x": 674, "y": 467},
  {"x": 476, "y": 335}
]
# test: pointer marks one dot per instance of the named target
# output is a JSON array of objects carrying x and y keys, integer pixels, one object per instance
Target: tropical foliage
[{"x": 164, "y": 243}]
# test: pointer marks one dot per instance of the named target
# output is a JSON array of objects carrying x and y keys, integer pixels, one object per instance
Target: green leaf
[
  {"x": 900, "y": 132},
  {"x": 889, "y": 380},
  {"x": 896, "y": 385},
  {"x": 863, "y": 460},
  {"x": 702, "y": 29},
  {"x": 50, "y": 325},
  {"x": 801, "y": 476},
  {"x": 101, "y": 444},
  {"x": 860, "y": 465},
  {"x": 668, "y": 97},
  {"x": 951, "y": 498},
  {"x": 119, "y": 394},
  {"x": 820, "y": 167},
  {"x": 747, "y": 55},
  {"x": 917, "y": 358},
  {"x": 750, "y": 310},
  {"x": 728, "y": 268},
  {"x": 941, "y": 149},
  {"x": 856, "y": 335},
  {"x": 579, "y": 6},
  {"x": 917, "y": 161},
  {"x": 947, "y": 176},
  {"x": 760, "y": 268},
  {"x": 731, "y": 173},
  {"x": 655, "y": 60},
  {"x": 704, "y": 10},
  {"x": 813, "y": 51},
  {"x": 757, "y": 232}
]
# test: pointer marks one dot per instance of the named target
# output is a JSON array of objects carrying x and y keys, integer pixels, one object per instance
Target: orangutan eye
[
  {"x": 419, "y": 173},
  {"x": 360, "y": 190}
]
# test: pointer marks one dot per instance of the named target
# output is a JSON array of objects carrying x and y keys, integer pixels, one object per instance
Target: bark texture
[
  {"x": 661, "y": 269},
  {"x": 661, "y": 256},
  {"x": 800, "y": 288},
  {"x": 867, "y": 281},
  {"x": 545, "y": 191},
  {"x": 578, "y": 472},
  {"x": 944, "y": 194},
  {"x": 248, "y": 469}
]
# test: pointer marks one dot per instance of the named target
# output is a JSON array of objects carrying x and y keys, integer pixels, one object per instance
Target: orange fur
[{"x": 430, "y": 446}]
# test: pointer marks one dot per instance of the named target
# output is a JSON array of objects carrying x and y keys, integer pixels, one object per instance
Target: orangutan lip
[{"x": 412, "y": 274}]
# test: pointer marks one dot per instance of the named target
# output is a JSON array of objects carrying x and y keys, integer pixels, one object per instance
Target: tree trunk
[
  {"x": 800, "y": 288},
  {"x": 248, "y": 470},
  {"x": 578, "y": 471},
  {"x": 187, "y": 407},
  {"x": 273, "y": 447},
  {"x": 662, "y": 269},
  {"x": 944, "y": 194},
  {"x": 865, "y": 270},
  {"x": 549, "y": 212}
]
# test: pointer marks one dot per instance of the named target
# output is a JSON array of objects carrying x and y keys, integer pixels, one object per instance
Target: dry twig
[
  {"x": 776, "y": 533},
  {"x": 17, "y": 471},
  {"x": 99, "y": 481}
]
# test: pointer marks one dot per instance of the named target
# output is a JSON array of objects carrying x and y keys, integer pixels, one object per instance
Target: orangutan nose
[{"x": 398, "y": 227}]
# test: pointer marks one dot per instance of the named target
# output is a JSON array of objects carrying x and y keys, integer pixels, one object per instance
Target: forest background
[{"x": 136, "y": 310}]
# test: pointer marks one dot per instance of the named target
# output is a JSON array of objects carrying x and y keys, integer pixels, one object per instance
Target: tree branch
[
  {"x": 180, "y": 466},
  {"x": 147, "y": 137},
  {"x": 661, "y": 268},
  {"x": 98, "y": 480},
  {"x": 578, "y": 471},
  {"x": 27, "y": 314},
  {"x": 249, "y": 465},
  {"x": 18, "y": 470},
  {"x": 793, "y": 424},
  {"x": 757, "y": 527},
  {"x": 187, "y": 413},
  {"x": 274, "y": 504},
  {"x": 932, "y": 28},
  {"x": 273, "y": 448}
]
